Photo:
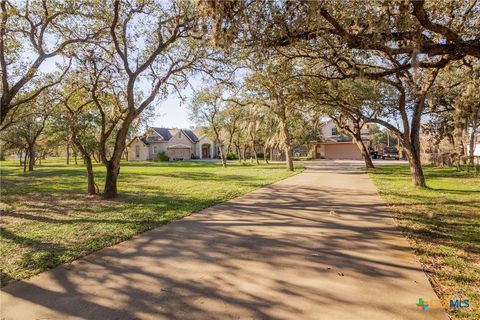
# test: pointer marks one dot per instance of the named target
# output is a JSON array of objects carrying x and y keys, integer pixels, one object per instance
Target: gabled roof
[
  {"x": 167, "y": 133},
  {"x": 191, "y": 135},
  {"x": 164, "y": 132},
  {"x": 142, "y": 139}
]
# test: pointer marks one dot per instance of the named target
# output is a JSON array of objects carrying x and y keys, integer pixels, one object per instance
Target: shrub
[
  {"x": 232, "y": 156},
  {"x": 162, "y": 156},
  {"x": 310, "y": 154}
]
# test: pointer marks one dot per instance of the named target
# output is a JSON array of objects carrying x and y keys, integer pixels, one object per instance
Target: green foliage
[
  {"x": 310, "y": 154},
  {"x": 162, "y": 156},
  {"x": 232, "y": 156},
  {"x": 378, "y": 136}
]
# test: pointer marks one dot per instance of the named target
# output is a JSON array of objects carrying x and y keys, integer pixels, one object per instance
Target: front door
[{"x": 205, "y": 151}]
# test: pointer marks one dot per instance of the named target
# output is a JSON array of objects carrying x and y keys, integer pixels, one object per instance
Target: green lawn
[
  {"x": 443, "y": 225},
  {"x": 47, "y": 218}
]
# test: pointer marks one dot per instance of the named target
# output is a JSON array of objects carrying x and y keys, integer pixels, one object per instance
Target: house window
[
  {"x": 155, "y": 150},
  {"x": 334, "y": 131},
  {"x": 137, "y": 151}
]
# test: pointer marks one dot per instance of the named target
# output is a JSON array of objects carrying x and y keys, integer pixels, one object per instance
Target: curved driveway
[{"x": 318, "y": 245}]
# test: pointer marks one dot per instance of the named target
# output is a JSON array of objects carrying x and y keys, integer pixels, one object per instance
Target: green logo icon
[{"x": 423, "y": 304}]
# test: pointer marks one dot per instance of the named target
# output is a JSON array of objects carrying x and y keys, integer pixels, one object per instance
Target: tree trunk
[
  {"x": 472, "y": 139},
  {"x": 68, "y": 153},
  {"x": 289, "y": 157},
  {"x": 288, "y": 146},
  {"x": 110, "y": 190},
  {"x": 87, "y": 159},
  {"x": 25, "y": 161},
  {"x": 265, "y": 155},
  {"x": 412, "y": 141},
  {"x": 90, "y": 177},
  {"x": 471, "y": 148},
  {"x": 75, "y": 156},
  {"x": 418, "y": 179},
  {"x": 113, "y": 165},
  {"x": 412, "y": 148},
  {"x": 239, "y": 152},
  {"x": 244, "y": 153},
  {"x": 95, "y": 158},
  {"x": 31, "y": 157},
  {"x": 223, "y": 157},
  {"x": 255, "y": 155},
  {"x": 365, "y": 153}
]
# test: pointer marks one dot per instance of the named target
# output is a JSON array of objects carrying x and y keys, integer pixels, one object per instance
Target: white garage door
[{"x": 179, "y": 154}]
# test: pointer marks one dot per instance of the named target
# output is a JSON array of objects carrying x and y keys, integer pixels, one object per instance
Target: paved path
[{"x": 319, "y": 245}]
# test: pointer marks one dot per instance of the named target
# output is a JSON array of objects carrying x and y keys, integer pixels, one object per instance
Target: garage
[
  {"x": 179, "y": 153},
  {"x": 342, "y": 151}
]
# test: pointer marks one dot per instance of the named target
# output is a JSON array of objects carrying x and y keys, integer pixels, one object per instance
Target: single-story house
[
  {"x": 337, "y": 144},
  {"x": 177, "y": 144}
]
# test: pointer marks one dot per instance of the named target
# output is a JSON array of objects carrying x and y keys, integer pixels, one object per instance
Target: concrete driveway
[{"x": 319, "y": 245}]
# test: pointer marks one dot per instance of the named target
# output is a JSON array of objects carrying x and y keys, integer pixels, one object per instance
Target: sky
[
  {"x": 173, "y": 112},
  {"x": 170, "y": 112}
]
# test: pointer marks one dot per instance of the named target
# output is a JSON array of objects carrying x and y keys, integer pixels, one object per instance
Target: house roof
[
  {"x": 142, "y": 139},
  {"x": 164, "y": 132},
  {"x": 191, "y": 135},
  {"x": 168, "y": 133}
]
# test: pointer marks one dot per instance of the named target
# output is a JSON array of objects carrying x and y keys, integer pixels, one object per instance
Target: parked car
[{"x": 390, "y": 153}]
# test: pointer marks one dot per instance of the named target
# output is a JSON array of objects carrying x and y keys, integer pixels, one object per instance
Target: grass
[
  {"x": 442, "y": 223},
  {"x": 47, "y": 219}
]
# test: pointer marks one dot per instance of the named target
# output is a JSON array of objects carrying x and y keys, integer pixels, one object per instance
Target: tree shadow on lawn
[
  {"x": 131, "y": 213},
  {"x": 203, "y": 176},
  {"x": 173, "y": 164},
  {"x": 429, "y": 171},
  {"x": 456, "y": 191},
  {"x": 43, "y": 254},
  {"x": 45, "y": 170}
]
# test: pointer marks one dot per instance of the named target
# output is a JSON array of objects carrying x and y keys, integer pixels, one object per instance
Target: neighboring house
[
  {"x": 178, "y": 144},
  {"x": 337, "y": 144},
  {"x": 476, "y": 150}
]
